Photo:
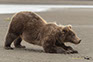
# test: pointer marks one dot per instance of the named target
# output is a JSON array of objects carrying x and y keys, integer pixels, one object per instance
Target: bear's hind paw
[
  {"x": 20, "y": 46},
  {"x": 8, "y": 48}
]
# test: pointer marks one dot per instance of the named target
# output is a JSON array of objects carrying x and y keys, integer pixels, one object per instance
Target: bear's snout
[{"x": 78, "y": 42}]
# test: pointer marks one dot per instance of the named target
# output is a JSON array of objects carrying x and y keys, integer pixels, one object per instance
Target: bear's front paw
[
  {"x": 72, "y": 52},
  {"x": 69, "y": 48}
]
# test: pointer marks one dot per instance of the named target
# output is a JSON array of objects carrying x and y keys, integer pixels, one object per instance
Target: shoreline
[
  {"x": 12, "y": 8},
  {"x": 49, "y": 2}
]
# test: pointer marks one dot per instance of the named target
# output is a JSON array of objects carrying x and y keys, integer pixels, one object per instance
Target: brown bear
[{"x": 32, "y": 28}]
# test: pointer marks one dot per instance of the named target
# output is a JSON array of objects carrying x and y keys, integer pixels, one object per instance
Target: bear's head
[{"x": 66, "y": 34}]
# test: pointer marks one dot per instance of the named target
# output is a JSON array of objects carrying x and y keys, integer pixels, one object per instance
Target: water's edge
[{"x": 13, "y": 8}]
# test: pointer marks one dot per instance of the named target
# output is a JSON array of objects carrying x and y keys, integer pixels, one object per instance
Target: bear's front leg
[
  {"x": 50, "y": 47},
  {"x": 71, "y": 50},
  {"x": 67, "y": 48},
  {"x": 55, "y": 49}
]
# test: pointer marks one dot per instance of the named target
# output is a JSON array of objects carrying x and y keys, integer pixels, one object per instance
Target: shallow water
[{"x": 13, "y": 8}]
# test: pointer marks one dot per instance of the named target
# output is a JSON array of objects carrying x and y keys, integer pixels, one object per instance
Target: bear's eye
[{"x": 73, "y": 34}]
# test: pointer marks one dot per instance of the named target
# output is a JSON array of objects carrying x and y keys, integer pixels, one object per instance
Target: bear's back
[
  {"x": 34, "y": 21},
  {"x": 28, "y": 17},
  {"x": 26, "y": 21}
]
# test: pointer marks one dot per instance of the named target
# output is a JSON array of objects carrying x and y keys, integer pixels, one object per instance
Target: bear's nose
[{"x": 79, "y": 41}]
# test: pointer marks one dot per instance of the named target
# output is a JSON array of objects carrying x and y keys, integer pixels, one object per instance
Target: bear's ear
[
  {"x": 66, "y": 29},
  {"x": 69, "y": 26}
]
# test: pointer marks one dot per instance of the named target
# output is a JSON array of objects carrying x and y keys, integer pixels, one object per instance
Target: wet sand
[
  {"x": 68, "y": 2},
  {"x": 80, "y": 19}
]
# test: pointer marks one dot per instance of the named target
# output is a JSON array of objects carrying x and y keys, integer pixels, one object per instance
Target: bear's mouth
[{"x": 75, "y": 42}]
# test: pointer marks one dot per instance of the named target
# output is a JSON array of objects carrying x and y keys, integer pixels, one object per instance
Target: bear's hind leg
[
  {"x": 17, "y": 43},
  {"x": 9, "y": 39}
]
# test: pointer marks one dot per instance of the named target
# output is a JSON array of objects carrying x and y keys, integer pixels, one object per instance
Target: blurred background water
[{"x": 14, "y": 8}]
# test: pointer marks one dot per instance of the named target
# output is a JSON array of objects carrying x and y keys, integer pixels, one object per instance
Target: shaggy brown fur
[{"x": 33, "y": 29}]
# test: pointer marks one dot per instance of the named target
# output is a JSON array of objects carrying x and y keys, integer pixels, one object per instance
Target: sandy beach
[
  {"x": 80, "y": 19},
  {"x": 66, "y": 2}
]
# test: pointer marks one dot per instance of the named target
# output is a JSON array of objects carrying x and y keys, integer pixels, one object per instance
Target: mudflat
[{"x": 80, "y": 19}]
